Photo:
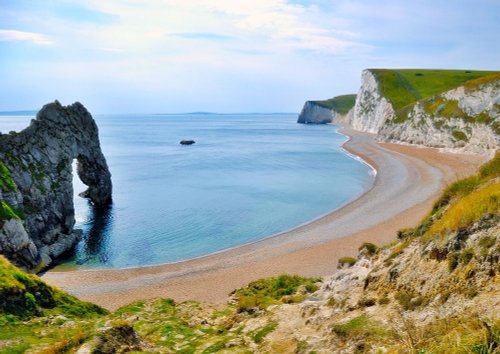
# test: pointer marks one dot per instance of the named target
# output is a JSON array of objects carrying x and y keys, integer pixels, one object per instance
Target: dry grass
[{"x": 467, "y": 210}]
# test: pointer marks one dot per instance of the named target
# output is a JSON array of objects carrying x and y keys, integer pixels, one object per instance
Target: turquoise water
[{"x": 247, "y": 177}]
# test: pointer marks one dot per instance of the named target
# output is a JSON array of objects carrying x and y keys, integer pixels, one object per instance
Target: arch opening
[{"x": 95, "y": 221}]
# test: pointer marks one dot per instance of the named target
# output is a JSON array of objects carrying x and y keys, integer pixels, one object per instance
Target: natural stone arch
[{"x": 39, "y": 161}]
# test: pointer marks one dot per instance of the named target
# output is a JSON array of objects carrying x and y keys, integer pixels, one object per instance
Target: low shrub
[
  {"x": 409, "y": 301},
  {"x": 466, "y": 256},
  {"x": 459, "y": 135},
  {"x": 452, "y": 261},
  {"x": 366, "y": 302},
  {"x": 371, "y": 248},
  {"x": 487, "y": 241},
  {"x": 384, "y": 300},
  {"x": 349, "y": 261}
]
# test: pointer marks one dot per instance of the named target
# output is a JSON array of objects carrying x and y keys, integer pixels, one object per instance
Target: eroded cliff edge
[
  {"x": 36, "y": 186},
  {"x": 455, "y": 110},
  {"x": 458, "y": 111}
]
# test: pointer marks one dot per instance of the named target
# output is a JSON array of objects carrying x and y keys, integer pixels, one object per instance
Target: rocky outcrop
[
  {"x": 313, "y": 113},
  {"x": 36, "y": 194},
  {"x": 465, "y": 119},
  {"x": 187, "y": 142}
]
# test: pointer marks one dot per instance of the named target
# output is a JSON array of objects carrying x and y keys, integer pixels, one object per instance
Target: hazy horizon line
[{"x": 34, "y": 112}]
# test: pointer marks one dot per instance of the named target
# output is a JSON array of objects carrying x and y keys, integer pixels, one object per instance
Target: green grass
[
  {"x": 27, "y": 296},
  {"x": 360, "y": 326},
  {"x": 6, "y": 182},
  {"x": 263, "y": 332},
  {"x": 27, "y": 305},
  {"x": 406, "y": 86},
  {"x": 264, "y": 292},
  {"x": 341, "y": 104},
  {"x": 7, "y": 212}
]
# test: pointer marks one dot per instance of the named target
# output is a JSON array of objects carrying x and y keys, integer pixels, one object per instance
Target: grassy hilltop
[
  {"x": 433, "y": 290},
  {"x": 404, "y": 87}
]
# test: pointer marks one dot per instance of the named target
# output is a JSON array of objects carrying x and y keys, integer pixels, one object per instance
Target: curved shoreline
[
  {"x": 407, "y": 181},
  {"x": 352, "y": 154}
]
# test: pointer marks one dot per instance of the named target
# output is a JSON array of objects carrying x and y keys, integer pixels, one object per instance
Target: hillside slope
[
  {"x": 434, "y": 290},
  {"x": 454, "y": 109}
]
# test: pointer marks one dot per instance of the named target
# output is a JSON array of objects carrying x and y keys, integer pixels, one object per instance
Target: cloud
[
  {"x": 202, "y": 35},
  {"x": 226, "y": 55},
  {"x": 259, "y": 25},
  {"x": 13, "y": 35}
]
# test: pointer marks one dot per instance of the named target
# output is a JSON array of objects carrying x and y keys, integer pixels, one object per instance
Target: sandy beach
[{"x": 407, "y": 182}]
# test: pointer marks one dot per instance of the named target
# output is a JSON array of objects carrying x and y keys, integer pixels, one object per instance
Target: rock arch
[{"x": 40, "y": 193}]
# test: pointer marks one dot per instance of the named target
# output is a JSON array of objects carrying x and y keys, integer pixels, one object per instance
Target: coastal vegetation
[
  {"x": 6, "y": 182},
  {"x": 7, "y": 185},
  {"x": 282, "y": 289},
  {"x": 403, "y": 87}
]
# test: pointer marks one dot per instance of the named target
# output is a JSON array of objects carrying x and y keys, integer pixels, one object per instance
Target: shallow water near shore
[{"x": 246, "y": 177}]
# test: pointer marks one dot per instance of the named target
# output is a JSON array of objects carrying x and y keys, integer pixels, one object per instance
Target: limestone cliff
[
  {"x": 314, "y": 114},
  {"x": 464, "y": 118},
  {"x": 36, "y": 194},
  {"x": 333, "y": 110},
  {"x": 371, "y": 109}
]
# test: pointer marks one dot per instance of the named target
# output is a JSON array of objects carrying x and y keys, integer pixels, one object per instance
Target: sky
[{"x": 172, "y": 56}]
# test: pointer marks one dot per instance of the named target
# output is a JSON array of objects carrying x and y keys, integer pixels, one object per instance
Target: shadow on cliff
[{"x": 95, "y": 240}]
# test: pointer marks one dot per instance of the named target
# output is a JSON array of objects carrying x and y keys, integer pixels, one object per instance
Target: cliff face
[
  {"x": 314, "y": 114},
  {"x": 334, "y": 110},
  {"x": 463, "y": 119},
  {"x": 36, "y": 194},
  {"x": 371, "y": 109}
]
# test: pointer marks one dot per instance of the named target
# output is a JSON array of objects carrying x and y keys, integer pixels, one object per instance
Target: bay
[{"x": 248, "y": 176}]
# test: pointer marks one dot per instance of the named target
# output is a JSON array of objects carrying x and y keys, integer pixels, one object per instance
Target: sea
[{"x": 246, "y": 178}]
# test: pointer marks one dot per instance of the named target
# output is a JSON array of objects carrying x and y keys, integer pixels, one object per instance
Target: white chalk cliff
[
  {"x": 334, "y": 110},
  {"x": 465, "y": 119},
  {"x": 313, "y": 113},
  {"x": 371, "y": 109}
]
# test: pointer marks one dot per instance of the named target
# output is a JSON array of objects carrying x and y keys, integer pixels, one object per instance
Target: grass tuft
[
  {"x": 349, "y": 261},
  {"x": 6, "y": 182}
]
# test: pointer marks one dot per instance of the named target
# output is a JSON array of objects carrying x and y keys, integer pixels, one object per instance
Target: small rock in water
[{"x": 187, "y": 142}]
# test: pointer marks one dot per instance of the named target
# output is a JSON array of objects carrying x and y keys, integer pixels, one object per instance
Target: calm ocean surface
[{"x": 247, "y": 177}]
